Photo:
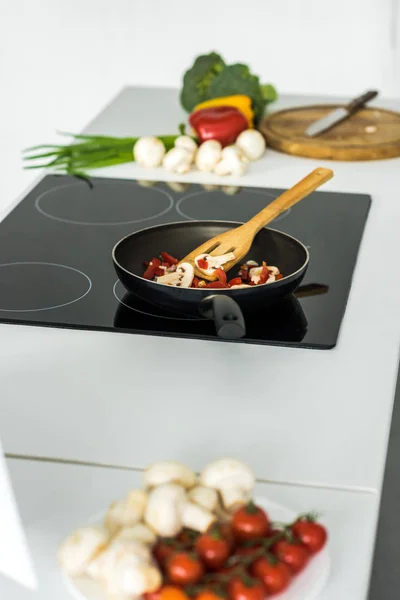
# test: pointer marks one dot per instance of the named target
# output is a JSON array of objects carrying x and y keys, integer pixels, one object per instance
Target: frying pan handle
[{"x": 226, "y": 314}]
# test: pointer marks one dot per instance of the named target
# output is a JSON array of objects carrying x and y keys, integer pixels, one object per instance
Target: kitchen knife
[{"x": 339, "y": 114}]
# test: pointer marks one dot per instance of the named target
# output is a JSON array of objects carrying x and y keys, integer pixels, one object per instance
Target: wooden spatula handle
[{"x": 289, "y": 198}]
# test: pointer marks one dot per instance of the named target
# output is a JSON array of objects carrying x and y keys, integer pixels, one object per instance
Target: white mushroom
[
  {"x": 255, "y": 274},
  {"x": 230, "y": 190},
  {"x": 146, "y": 183},
  {"x": 214, "y": 262},
  {"x": 196, "y": 517},
  {"x": 103, "y": 564},
  {"x": 182, "y": 277},
  {"x": 177, "y": 186},
  {"x": 163, "y": 512},
  {"x": 208, "y": 155},
  {"x": 139, "y": 532},
  {"x": 149, "y": 151},
  {"x": 210, "y": 187},
  {"x": 132, "y": 579},
  {"x": 251, "y": 143},
  {"x": 126, "y": 512},
  {"x": 76, "y": 552},
  {"x": 187, "y": 143},
  {"x": 233, "y": 478},
  {"x": 232, "y": 162},
  {"x": 169, "y": 471},
  {"x": 177, "y": 160},
  {"x": 204, "y": 496}
]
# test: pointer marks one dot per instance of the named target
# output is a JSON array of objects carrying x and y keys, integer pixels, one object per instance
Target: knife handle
[{"x": 360, "y": 101}]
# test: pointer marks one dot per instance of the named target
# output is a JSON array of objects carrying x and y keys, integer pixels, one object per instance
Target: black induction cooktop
[{"x": 56, "y": 268}]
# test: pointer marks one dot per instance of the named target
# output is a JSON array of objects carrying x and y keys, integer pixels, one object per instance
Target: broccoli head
[{"x": 197, "y": 80}]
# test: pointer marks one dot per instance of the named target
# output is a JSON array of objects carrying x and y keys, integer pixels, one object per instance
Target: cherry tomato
[
  {"x": 250, "y": 522},
  {"x": 294, "y": 554},
  {"x": 188, "y": 536},
  {"x": 170, "y": 592},
  {"x": 246, "y": 588},
  {"x": 275, "y": 575},
  {"x": 184, "y": 568},
  {"x": 312, "y": 535},
  {"x": 163, "y": 550},
  {"x": 152, "y": 595},
  {"x": 208, "y": 595},
  {"x": 213, "y": 549}
]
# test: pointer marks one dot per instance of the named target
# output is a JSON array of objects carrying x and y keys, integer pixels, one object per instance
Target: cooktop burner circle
[
  {"x": 36, "y": 286},
  {"x": 104, "y": 204},
  {"x": 221, "y": 206},
  {"x": 135, "y": 303}
]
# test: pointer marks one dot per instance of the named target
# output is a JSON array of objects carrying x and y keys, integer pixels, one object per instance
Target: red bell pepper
[
  {"x": 221, "y": 276},
  {"x": 235, "y": 281},
  {"x": 221, "y": 123},
  {"x": 153, "y": 266},
  {"x": 202, "y": 264},
  {"x": 216, "y": 284},
  {"x": 169, "y": 259},
  {"x": 264, "y": 275}
]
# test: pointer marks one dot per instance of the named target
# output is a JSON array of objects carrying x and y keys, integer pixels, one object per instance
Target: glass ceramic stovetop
[{"x": 56, "y": 268}]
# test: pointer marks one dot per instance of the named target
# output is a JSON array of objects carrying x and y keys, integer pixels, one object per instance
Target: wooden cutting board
[{"x": 370, "y": 134}]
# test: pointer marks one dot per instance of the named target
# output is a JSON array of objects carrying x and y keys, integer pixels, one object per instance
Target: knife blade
[{"x": 339, "y": 114}]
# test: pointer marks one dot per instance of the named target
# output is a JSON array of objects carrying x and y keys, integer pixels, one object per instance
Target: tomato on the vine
[
  {"x": 294, "y": 554},
  {"x": 184, "y": 568},
  {"x": 170, "y": 592},
  {"x": 163, "y": 549},
  {"x": 250, "y": 522},
  {"x": 274, "y": 574},
  {"x": 208, "y": 595},
  {"x": 213, "y": 549},
  {"x": 188, "y": 536},
  {"x": 313, "y": 535},
  {"x": 246, "y": 588}
]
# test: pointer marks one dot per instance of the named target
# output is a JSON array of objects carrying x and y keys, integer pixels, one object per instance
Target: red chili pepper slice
[
  {"x": 168, "y": 258},
  {"x": 264, "y": 275},
  {"x": 149, "y": 272},
  {"x": 277, "y": 277},
  {"x": 195, "y": 282},
  {"x": 215, "y": 284},
  {"x": 221, "y": 276},
  {"x": 235, "y": 281},
  {"x": 202, "y": 264}
]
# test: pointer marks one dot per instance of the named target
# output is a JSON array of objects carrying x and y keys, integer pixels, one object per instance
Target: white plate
[{"x": 306, "y": 586}]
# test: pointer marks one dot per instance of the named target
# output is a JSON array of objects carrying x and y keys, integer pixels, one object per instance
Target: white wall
[{"x": 61, "y": 60}]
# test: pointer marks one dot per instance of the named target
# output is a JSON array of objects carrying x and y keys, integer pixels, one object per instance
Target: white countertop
[
  {"x": 322, "y": 417},
  {"x": 55, "y": 499}
]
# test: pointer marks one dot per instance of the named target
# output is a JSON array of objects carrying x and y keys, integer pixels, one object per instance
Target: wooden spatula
[{"x": 240, "y": 239}]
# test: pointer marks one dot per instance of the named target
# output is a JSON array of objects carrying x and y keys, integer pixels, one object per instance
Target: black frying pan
[{"x": 226, "y": 307}]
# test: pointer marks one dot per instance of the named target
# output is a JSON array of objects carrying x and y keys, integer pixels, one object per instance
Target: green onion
[{"x": 86, "y": 152}]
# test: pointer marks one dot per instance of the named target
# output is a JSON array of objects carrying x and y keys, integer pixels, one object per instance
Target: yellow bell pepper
[{"x": 239, "y": 101}]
